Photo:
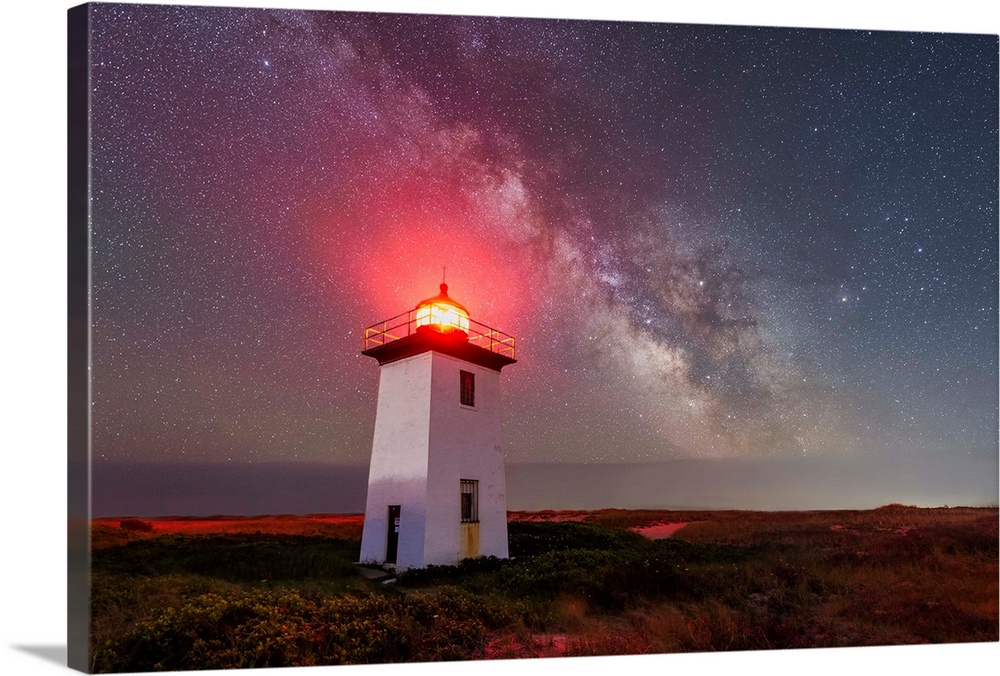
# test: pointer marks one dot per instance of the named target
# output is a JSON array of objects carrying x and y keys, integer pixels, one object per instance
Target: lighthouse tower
[{"x": 436, "y": 486}]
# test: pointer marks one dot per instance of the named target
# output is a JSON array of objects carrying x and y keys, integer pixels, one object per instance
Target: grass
[{"x": 280, "y": 593}]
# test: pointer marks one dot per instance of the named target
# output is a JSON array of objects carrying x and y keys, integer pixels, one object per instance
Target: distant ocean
[
  {"x": 791, "y": 483},
  {"x": 207, "y": 489}
]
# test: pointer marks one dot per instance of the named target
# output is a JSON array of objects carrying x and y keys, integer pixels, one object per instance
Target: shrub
[
  {"x": 244, "y": 629},
  {"x": 464, "y": 571},
  {"x": 237, "y": 558},
  {"x": 534, "y": 538},
  {"x": 136, "y": 525}
]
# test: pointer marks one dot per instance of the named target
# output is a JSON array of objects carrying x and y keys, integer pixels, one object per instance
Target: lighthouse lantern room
[{"x": 436, "y": 486}]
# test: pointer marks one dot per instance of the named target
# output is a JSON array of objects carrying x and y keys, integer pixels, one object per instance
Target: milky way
[{"x": 710, "y": 242}]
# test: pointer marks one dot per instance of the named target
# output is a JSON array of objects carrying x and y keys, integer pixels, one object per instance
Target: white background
[{"x": 33, "y": 549}]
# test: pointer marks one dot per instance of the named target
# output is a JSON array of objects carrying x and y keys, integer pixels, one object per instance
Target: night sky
[{"x": 756, "y": 264}]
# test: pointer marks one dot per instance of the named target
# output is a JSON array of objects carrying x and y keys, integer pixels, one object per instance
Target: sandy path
[{"x": 659, "y": 531}]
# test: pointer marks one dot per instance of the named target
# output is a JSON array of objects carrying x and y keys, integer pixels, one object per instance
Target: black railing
[{"x": 405, "y": 324}]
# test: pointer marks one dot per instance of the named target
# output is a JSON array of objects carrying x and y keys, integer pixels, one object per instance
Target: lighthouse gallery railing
[{"x": 404, "y": 324}]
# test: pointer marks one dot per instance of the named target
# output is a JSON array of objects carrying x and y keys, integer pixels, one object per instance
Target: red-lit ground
[
  {"x": 107, "y": 529},
  {"x": 111, "y": 531}
]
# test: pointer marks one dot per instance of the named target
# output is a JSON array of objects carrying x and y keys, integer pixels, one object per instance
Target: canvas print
[{"x": 407, "y": 338}]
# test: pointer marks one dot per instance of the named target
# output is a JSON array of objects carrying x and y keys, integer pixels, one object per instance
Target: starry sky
[{"x": 768, "y": 252}]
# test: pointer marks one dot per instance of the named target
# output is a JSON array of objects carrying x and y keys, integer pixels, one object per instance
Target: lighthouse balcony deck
[{"x": 405, "y": 324}]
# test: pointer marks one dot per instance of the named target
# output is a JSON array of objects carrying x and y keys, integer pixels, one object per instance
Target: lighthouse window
[
  {"x": 470, "y": 500},
  {"x": 468, "y": 388}
]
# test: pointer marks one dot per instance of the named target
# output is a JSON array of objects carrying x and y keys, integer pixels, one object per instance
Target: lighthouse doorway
[
  {"x": 392, "y": 536},
  {"x": 468, "y": 547}
]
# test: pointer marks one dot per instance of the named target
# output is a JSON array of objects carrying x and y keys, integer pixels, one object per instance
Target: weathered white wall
[
  {"x": 465, "y": 444},
  {"x": 425, "y": 442},
  {"x": 398, "y": 471}
]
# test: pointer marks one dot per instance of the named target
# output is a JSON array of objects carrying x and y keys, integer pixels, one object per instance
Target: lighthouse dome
[{"x": 442, "y": 313}]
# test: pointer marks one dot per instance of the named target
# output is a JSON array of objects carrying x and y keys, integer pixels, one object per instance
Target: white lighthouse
[{"x": 436, "y": 487}]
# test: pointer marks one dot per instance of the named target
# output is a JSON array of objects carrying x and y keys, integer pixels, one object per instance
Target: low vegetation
[{"x": 581, "y": 584}]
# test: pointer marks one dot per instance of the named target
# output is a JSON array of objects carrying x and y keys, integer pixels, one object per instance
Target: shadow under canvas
[{"x": 50, "y": 653}]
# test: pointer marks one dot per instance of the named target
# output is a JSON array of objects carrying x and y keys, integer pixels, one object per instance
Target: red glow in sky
[{"x": 409, "y": 255}]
